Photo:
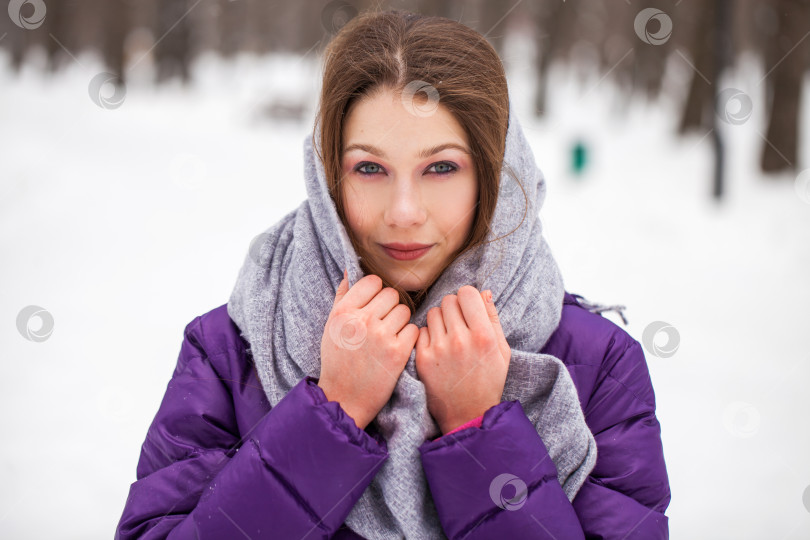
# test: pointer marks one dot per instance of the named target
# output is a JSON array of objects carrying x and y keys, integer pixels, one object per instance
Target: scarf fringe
[{"x": 600, "y": 308}]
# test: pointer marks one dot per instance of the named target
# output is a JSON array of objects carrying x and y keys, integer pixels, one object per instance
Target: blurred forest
[{"x": 630, "y": 41}]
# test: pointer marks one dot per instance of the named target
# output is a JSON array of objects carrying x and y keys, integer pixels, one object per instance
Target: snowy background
[{"x": 126, "y": 224}]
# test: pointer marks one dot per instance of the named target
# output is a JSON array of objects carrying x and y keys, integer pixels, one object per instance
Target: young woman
[{"x": 399, "y": 358}]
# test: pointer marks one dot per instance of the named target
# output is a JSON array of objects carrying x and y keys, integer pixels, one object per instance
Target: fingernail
[{"x": 489, "y": 296}]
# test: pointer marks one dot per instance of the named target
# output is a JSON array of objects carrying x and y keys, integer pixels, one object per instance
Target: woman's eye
[
  {"x": 372, "y": 165},
  {"x": 443, "y": 167}
]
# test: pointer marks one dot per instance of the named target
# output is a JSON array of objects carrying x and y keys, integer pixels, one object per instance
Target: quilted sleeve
[
  {"x": 628, "y": 491},
  {"x": 498, "y": 481},
  {"x": 198, "y": 477}
]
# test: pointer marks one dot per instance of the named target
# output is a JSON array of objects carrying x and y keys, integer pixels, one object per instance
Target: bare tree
[
  {"x": 231, "y": 19},
  {"x": 786, "y": 60},
  {"x": 173, "y": 32},
  {"x": 649, "y": 61},
  {"x": 604, "y": 30},
  {"x": 699, "y": 101},
  {"x": 115, "y": 28},
  {"x": 493, "y": 20},
  {"x": 554, "y": 37}
]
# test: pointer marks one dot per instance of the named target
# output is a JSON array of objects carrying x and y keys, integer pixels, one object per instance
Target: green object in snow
[{"x": 579, "y": 157}]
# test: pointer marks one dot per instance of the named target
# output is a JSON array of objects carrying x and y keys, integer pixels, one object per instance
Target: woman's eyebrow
[{"x": 371, "y": 149}]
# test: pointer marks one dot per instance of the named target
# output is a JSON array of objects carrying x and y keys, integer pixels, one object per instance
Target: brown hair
[{"x": 389, "y": 49}]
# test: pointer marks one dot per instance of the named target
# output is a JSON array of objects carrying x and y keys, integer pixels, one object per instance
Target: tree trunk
[
  {"x": 493, "y": 22},
  {"x": 172, "y": 52},
  {"x": 699, "y": 103},
  {"x": 785, "y": 68},
  {"x": 116, "y": 28},
  {"x": 554, "y": 25},
  {"x": 232, "y": 20}
]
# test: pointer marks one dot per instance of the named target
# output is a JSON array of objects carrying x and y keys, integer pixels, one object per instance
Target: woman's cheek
[{"x": 358, "y": 213}]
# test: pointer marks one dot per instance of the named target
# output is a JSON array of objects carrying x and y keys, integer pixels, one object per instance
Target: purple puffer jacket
[{"x": 217, "y": 463}]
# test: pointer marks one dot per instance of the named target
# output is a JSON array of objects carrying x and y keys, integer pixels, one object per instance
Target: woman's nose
[{"x": 405, "y": 208}]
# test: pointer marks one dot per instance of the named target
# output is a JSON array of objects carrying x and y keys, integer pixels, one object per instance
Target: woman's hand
[
  {"x": 462, "y": 358},
  {"x": 366, "y": 343}
]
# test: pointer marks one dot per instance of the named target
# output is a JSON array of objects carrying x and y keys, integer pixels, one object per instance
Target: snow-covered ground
[{"x": 125, "y": 224}]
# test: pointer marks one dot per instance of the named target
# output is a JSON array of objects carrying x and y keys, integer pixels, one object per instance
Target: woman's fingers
[
  {"x": 473, "y": 309},
  {"x": 397, "y": 318},
  {"x": 435, "y": 322},
  {"x": 369, "y": 294},
  {"x": 495, "y": 320},
  {"x": 362, "y": 292},
  {"x": 384, "y": 302},
  {"x": 342, "y": 289},
  {"x": 451, "y": 313},
  {"x": 423, "y": 340},
  {"x": 492, "y": 315},
  {"x": 409, "y": 336}
]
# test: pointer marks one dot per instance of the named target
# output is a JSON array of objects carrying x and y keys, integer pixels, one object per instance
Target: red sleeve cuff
[{"x": 476, "y": 422}]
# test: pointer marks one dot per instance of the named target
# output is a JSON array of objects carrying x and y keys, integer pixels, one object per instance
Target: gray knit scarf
[{"x": 284, "y": 294}]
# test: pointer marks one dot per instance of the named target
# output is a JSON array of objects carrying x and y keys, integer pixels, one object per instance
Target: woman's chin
[{"x": 408, "y": 283}]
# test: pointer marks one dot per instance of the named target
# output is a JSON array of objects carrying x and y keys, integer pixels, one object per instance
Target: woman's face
[{"x": 407, "y": 179}]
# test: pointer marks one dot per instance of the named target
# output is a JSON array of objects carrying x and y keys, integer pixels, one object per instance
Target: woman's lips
[{"x": 406, "y": 255}]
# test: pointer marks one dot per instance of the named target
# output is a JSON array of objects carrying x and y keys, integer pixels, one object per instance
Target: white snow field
[{"x": 125, "y": 224}]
